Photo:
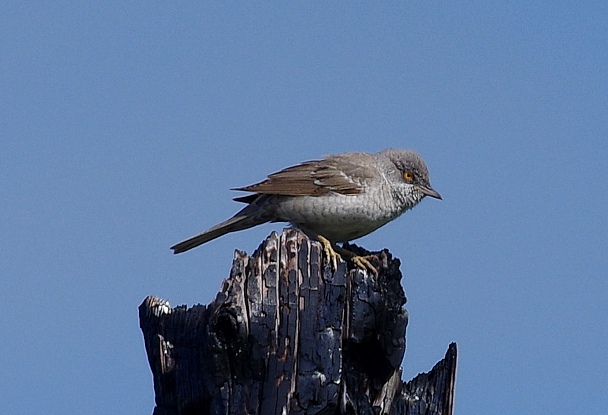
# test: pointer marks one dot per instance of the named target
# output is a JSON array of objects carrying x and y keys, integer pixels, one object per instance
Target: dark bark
[{"x": 288, "y": 335}]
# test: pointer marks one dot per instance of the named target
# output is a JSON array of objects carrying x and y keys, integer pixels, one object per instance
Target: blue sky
[{"x": 125, "y": 124}]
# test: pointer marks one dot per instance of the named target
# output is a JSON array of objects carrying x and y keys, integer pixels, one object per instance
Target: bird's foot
[
  {"x": 334, "y": 253},
  {"x": 330, "y": 253},
  {"x": 363, "y": 262}
]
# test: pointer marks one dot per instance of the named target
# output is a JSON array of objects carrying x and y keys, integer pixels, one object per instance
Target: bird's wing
[{"x": 343, "y": 173}]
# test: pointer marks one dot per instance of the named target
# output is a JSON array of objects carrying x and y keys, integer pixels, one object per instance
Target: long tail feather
[{"x": 236, "y": 223}]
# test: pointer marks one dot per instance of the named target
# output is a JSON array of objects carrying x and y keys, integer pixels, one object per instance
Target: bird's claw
[
  {"x": 334, "y": 253},
  {"x": 363, "y": 262},
  {"x": 330, "y": 253}
]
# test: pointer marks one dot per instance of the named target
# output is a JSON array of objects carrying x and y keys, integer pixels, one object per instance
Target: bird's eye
[{"x": 408, "y": 176}]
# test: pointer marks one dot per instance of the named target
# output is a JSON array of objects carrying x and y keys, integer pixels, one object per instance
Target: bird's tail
[{"x": 238, "y": 222}]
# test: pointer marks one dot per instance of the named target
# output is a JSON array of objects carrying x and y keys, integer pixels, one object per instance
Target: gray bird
[{"x": 337, "y": 199}]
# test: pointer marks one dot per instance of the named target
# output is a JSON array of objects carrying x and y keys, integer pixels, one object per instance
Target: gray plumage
[{"x": 341, "y": 197}]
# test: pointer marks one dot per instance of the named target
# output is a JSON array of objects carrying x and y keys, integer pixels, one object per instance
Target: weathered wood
[{"x": 287, "y": 335}]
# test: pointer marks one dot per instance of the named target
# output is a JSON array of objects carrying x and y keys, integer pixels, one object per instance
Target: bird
[{"x": 335, "y": 199}]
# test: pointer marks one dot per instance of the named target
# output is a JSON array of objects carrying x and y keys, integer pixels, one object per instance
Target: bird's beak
[{"x": 429, "y": 191}]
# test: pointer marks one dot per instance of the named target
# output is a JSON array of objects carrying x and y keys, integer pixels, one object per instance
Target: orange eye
[{"x": 408, "y": 176}]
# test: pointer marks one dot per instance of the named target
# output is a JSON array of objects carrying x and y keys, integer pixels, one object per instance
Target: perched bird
[{"x": 337, "y": 199}]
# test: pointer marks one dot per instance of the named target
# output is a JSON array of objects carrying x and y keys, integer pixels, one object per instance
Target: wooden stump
[{"x": 286, "y": 335}]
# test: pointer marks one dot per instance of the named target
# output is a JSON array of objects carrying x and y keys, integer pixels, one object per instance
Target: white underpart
[{"x": 341, "y": 217}]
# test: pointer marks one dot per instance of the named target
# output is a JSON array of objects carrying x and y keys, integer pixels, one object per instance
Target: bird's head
[{"x": 408, "y": 174}]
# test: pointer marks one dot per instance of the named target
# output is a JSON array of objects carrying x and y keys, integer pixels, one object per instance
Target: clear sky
[{"x": 124, "y": 125}]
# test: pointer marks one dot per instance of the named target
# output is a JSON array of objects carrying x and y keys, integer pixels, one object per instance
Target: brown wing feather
[{"x": 341, "y": 174}]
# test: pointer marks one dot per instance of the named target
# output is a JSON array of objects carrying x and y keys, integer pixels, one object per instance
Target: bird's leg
[
  {"x": 330, "y": 251},
  {"x": 359, "y": 261},
  {"x": 333, "y": 253}
]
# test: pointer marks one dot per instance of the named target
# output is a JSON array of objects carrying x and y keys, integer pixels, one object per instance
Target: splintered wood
[{"x": 288, "y": 335}]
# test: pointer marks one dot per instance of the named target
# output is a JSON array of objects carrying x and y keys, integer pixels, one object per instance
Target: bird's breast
[{"x": 340, "y": 217}]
